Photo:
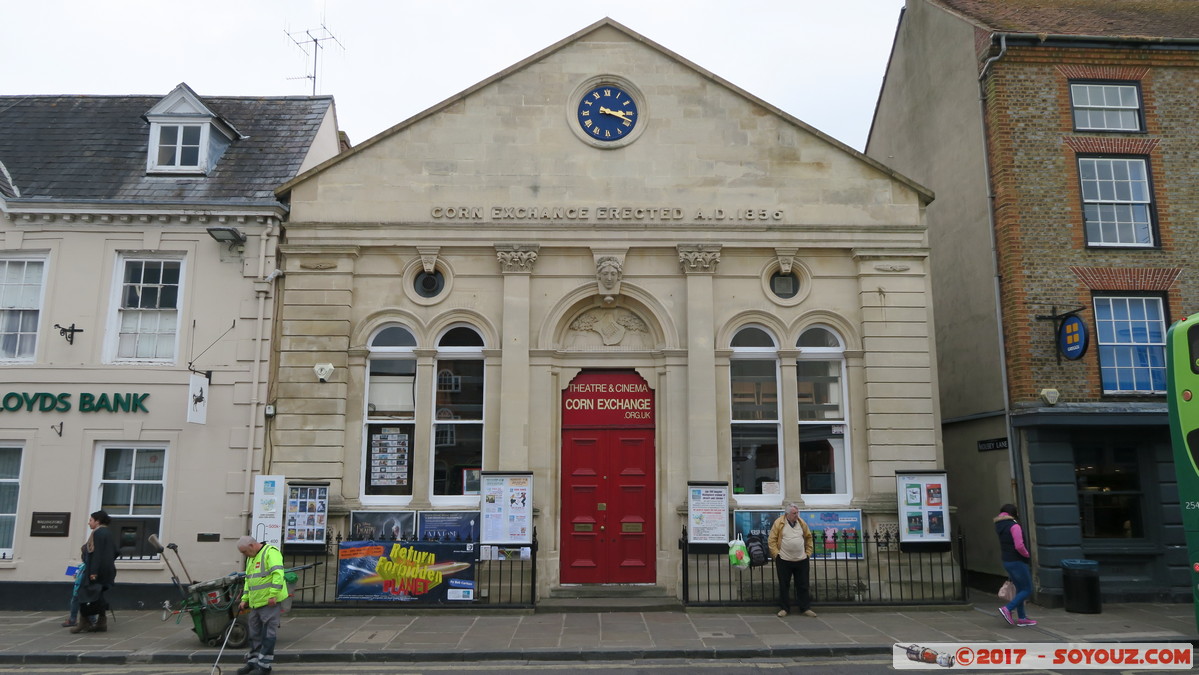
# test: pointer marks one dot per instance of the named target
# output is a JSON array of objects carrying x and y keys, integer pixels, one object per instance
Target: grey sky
[{"x": 820, "y": 60}]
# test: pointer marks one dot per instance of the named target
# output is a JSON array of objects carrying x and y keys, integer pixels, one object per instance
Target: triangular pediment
[
  {"x": 182, "y": 101},
  {"x": 520, "y": 139},
  {"x": 185, "y": 104}
]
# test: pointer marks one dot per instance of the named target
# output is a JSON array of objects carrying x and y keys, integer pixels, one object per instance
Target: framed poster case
[
  {"x": 923, "y": 511},
  {"x": 506, "y": 507},
  {"x": 707, "y": 514}
]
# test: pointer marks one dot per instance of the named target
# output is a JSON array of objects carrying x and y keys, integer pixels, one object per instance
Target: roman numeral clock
[{"x": 607, "y": 112}]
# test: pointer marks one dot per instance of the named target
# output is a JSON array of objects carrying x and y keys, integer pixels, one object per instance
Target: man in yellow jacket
[
  {"x": 264, "y": 592},
  {"x": 791, "y": 547}
]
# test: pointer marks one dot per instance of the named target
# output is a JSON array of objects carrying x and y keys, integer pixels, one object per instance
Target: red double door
[{"x": 608, "y": 474}]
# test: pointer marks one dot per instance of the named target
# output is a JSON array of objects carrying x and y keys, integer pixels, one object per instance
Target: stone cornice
[{"x": 44, "y": 216}]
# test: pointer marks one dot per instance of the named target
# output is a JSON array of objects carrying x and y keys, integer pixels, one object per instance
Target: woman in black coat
[{"x": 100, "y": 561}]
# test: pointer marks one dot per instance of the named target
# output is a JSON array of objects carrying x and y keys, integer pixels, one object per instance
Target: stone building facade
[{"x": 605, "y": 216}]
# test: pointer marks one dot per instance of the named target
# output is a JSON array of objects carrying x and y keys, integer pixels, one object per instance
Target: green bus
[{"x": 1182, "y": 398}]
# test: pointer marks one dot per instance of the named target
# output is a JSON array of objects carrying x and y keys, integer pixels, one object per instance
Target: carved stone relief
[{"x": 603, "y": 327}]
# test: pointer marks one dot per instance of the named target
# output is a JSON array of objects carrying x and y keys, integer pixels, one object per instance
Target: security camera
[{"x": 323, "y": 371}]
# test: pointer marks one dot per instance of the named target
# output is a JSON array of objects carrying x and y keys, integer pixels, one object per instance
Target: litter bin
[{"x": 1080, "y": 581}]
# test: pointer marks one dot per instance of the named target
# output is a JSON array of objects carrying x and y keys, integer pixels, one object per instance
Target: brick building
[{"x": 1058, "y": 136}]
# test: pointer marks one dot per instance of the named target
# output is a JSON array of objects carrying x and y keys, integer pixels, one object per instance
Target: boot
[
  {"x": 83, "y": 626},
  {"x": 101, "y": 625}
]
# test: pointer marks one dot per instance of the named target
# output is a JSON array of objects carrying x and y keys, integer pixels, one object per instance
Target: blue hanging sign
[{"x": 1072, "y": 337}]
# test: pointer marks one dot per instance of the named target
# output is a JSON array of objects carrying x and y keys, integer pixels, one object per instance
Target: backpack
[{"x": 757, "y": 550}]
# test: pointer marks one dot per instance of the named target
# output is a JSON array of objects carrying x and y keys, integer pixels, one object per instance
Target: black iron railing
[
  {"x": 883, "y": 575},
  {"x": 509, "y": 580}
]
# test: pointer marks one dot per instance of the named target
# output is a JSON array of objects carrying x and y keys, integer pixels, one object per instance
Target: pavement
[{"x": 398, "y": 635}]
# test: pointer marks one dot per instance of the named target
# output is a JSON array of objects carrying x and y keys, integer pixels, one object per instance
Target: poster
[
  {"x": 506, "y": 508},
  {"x": 305, "y": 515},
  {"x": 382, "y": 525},
  {"x": 387, "y": 458},
  {"x": 266, "y": 523},
  {"x": 835, "y": 534},
  {"x": 923, "y": 507},
  {"x": 414, "y": 571},
  {"x": 448, "y": 526},
  {"x": 708, "y": 513},
  {"x": 746, "y": 523}
]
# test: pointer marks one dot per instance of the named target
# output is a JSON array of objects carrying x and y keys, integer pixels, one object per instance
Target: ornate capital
[
  {"x": 516, "y": 258},
  {"x": 699, "y": 258}
]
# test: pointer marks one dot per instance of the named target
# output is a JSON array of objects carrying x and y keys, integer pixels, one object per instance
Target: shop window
[
  {"x": 147, "y": 313},
  {"x": 1110, "y": 498},
  {"x": 10, "y": 491},
  {"x": 390, "y": 411},
  {"x": 132, "y": 482},
  {"x": 821, "y": 403},
  {"x": 1132, "y": 344},
  {"x": 21, "y": 282},
  {"x": 458, "y": 425},
  {"x": 753, "y": 375}
]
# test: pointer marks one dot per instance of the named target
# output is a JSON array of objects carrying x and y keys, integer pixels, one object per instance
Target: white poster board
[
  {"x": 266, "y": 523},
  {"x": 923, "y": 507},
  {"x": 707, "y": 513},
  {"x": 506, "y": 507}
]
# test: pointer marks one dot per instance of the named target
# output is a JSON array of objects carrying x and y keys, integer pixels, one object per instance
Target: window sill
[
  {"x": 397, "y": 501},
  {"x": 185, "y": 172},
  {"x": 841, "y": 500},
  {"x": 468, "y": 501},
  {"x": 775, "y": 501}
]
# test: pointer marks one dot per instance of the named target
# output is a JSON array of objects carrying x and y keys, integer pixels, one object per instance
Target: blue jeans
[{"x": 1021, "y": 577}]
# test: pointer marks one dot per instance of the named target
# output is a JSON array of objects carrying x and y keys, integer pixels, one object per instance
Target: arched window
[
  {"x": 753, "y": 374},
  {"x": 823, "y": 422},
  {"x": 458, "y": 427},
  {"x": 390, "y": 411}
]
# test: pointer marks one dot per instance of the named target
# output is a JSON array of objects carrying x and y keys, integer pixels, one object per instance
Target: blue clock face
[{"x": 607, "y": 113}]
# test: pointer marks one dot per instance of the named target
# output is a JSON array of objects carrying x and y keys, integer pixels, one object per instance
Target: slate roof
[
  {"x": 68, "y": 148},
  {"x": 1135, "y": 19}
]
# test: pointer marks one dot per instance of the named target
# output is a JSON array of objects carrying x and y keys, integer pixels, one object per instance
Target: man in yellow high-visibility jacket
[{"x": 264, "y": 592}]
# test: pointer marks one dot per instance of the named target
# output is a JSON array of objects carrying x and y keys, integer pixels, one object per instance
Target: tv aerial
[{"x": 312, "y": 39}]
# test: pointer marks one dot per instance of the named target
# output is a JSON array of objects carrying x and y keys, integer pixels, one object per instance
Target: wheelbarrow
[{"x": 213, "y": 604}]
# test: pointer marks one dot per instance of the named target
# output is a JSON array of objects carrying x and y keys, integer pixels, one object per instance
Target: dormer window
[
  {"x": 179, "y": 146},
  {"x": 186, "y": 137}
]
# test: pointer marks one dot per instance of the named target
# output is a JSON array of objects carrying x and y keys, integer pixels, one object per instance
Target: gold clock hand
[{"x": 616, "y": 113}]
